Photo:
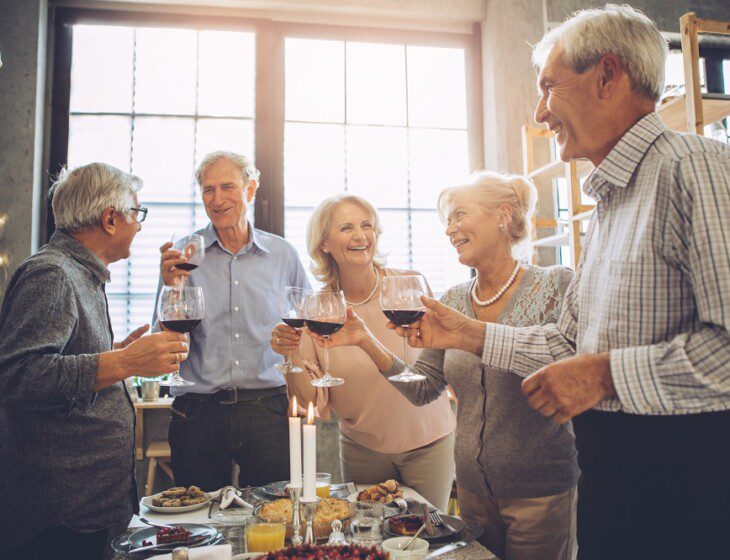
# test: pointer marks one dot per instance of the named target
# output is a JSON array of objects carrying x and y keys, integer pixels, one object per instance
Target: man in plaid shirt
[{"x": 640, "y": 356}]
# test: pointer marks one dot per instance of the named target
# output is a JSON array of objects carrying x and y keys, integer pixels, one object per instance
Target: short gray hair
[
  {"x": 82, "y": 194},
  {"x": 589, "y": 35},
  {"x": 244, "y": 165}
]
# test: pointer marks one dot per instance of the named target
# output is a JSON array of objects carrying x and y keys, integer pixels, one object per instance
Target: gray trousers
[{"x": 429, "y": 470}]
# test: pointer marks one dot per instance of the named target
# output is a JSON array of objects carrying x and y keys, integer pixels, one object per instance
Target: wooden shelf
[
  {"x": 556, "y": 170},
  {"x": 559, "y": 240},
  {"x": 715, "y": 107}
]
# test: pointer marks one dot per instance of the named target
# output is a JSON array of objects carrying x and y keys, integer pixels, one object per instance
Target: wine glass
[
  {"x": 400, "y": 299},
  {"x": 292, "y": 312},
  {"x": 180, "y": 309},
  {"x": 325, "y": 313},
  {"x": 192, "y": 248}
]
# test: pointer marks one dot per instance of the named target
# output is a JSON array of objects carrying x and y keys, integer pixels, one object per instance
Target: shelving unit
[
  {"x": 690, "y": 112},
  {"x": 567, "y": 232},
  {"x": 694, "y": 110}
]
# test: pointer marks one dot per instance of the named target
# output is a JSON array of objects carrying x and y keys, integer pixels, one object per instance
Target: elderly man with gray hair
[
  {"x": 237, "y": 408},
  {"x": 639, "y": 358},
  {"x": 66, "y": 420}
]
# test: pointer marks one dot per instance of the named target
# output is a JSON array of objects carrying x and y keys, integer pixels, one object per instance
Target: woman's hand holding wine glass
[{"x": 353, "y": 333}]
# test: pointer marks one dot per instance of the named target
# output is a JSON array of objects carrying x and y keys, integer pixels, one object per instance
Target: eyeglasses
[{"x": 141, "y": 213}]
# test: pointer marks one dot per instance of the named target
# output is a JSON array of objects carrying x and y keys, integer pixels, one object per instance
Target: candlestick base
[
  {"x": 295, "y": 493},
  {"x": 309, "y": 510}
]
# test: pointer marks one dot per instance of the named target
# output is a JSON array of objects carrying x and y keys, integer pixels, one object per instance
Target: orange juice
[
  {"x": 264, "y": 537},
  {"x": 323, "y": 490}
]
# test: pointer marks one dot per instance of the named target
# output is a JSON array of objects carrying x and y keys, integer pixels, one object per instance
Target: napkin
[
  {"x": 216, "y": 552},
  {"x": 229, "y": 495}
]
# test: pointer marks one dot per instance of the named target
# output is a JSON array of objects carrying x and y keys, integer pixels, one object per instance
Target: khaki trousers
[
  {"x": 524, "y": 528},
  {"x": 429, "y": 470}
]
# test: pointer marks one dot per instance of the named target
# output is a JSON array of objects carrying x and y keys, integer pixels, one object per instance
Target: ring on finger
[
  {"x": 278, "y": 341},
  {"x": 177, "y": 358}
]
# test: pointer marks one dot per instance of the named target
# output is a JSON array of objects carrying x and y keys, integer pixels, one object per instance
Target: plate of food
[
  {"x": 384, "y": 492},
  {"x": 328, "y": 509},
  {"x": 177, "y": 500},
  {"x": 408, "y": 524},
  {"x": 166, "y": 539}
]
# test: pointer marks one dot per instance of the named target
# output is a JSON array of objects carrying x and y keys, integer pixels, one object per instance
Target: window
[
  {"x": 386, "y": 122},
  {"x": 388, "y": 115},
  {"x": 150, "y": 102}
]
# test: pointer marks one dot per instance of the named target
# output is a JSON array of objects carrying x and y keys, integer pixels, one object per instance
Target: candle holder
[
  {"x": 295, "y": 493},
  {"x": 309, "y": 510}
]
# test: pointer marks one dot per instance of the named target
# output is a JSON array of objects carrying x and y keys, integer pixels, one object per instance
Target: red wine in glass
[
  {"x": 291, "y": 309},
  {"x": 400, "y": 300},
  {"x": 323, "y": 328},
  {"x": 326, "y": 313},
  {"x": 293, "y": 323},
  {"x": 181, "y": 325},
  {"x": 403, "y": 317},
  {"x": 187, "y": 266}
]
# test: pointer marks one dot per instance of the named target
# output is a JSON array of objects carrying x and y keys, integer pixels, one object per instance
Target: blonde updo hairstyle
[
  {"x": 324, "y": 267},
  {"x": 491, "y": 190}
]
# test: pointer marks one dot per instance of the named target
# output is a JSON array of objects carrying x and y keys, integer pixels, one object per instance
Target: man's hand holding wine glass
[{"x": 156, "y": 354}]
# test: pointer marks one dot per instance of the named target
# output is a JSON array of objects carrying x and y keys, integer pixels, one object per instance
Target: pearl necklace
[
  {"x": 367, "y": 299},
  {"x": 496, "y": 296}
]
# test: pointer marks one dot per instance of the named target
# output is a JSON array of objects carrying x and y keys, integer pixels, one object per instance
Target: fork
[{"x": 437, "y": 520}]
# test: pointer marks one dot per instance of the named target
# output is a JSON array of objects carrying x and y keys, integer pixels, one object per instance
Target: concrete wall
[{"x": 22, "y": 89}]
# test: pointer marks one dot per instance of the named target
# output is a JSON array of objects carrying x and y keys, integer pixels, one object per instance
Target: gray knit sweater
[{"x": 504, "y": 449}]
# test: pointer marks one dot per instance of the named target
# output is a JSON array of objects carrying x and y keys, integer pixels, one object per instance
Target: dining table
[{"x": 473, "y": 551}]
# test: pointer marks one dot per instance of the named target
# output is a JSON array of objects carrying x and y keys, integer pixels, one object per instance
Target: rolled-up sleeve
[{"x": 38, "y": 317}]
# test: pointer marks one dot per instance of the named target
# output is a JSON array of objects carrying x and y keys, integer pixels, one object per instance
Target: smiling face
[
  {"x": 226, "y": 194},
  {"x": 474, "y": 230},
  {"x": 351, "y": 238},
  {"x": 567, "y": 106}
]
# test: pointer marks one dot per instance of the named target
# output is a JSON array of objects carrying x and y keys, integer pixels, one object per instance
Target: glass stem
[
  {"x": 326, "y": 358},
  {"x": 288, "y": 360},
  {"x": 405, "y": 348}
]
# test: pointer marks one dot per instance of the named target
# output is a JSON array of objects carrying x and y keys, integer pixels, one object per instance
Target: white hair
[
  {"x": 81, "y": 195},
  {"x": 244, "y": 165},
  {"x": 623, "y": 31}
]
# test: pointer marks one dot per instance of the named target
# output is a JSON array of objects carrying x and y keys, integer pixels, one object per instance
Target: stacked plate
[{"x": 277, "y": 490}]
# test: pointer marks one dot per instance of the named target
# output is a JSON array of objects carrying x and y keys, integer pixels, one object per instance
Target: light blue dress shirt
[{"x": 230, "y": 347}]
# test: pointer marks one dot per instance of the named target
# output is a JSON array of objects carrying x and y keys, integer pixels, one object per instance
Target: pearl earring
[{"x": 501, "y": 228}]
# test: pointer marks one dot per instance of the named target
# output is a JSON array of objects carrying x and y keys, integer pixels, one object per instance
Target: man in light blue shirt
[{"x": 237, "y": 409}]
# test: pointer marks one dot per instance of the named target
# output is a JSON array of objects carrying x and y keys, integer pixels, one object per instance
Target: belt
[{"x": 233, "y": 395}]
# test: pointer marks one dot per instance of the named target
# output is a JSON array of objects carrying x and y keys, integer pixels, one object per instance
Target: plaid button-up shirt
[{"x": 653, "y": 283}]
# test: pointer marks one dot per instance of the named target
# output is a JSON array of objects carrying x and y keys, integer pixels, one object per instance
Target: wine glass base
[
  {"x": 407, "y": 377},
  {"x": 288, "y": 368},
  {"x": 328, "y": 382},
  {"x": 179, "y": 382}
]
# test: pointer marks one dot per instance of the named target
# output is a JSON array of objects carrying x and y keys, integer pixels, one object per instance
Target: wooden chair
[{"x": 158, "y": 453}]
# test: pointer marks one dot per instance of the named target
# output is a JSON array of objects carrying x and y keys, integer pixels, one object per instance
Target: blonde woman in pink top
[{"x": 383, "y": 435}]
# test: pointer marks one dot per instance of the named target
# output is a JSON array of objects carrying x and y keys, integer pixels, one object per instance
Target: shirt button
[
  {"x": 236, "y": 362},
  {"x": 234, "y": 257},
  {"x": 238, "y": 335},
  {"x": 235, "y": 282},
  {"x": 235, "y": 308}
]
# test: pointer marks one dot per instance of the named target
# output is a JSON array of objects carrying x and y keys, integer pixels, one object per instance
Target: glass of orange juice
[
  {"x": 323, "y": 484},
  {"x": 264, "y": 536}
]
